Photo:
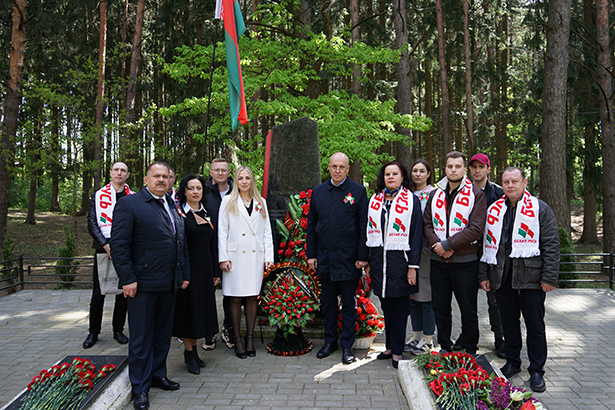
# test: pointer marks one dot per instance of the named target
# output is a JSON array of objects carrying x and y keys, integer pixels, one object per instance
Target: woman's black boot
[
  {"x": 198, "y": 359},
  {"x": 190, "y": 359}
]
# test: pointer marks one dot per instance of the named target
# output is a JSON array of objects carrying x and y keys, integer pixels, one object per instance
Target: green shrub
[
  {"x": 67, "y": 267},
  {"x": 565, "y": 246}
]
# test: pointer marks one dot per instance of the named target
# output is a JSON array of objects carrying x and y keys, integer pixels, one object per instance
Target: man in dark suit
[
  {"x": 336, "y": 250},
  {"x": 150, "y": 255}
]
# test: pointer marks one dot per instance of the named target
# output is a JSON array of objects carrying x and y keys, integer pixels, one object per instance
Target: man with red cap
[{"x": 480, "y": 167}]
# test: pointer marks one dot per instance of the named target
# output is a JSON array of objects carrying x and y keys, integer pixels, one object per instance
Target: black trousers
[
  {"x": 396, "y": 312},
  {"x": 460, "y": 279},
  {"x": 495, "y": 319},
  {"x": 150, "y": 320},
  {"x": 347, "y": 289},
  {"x": 97, "y": 304},
  {"x": 530, "y": 303}
]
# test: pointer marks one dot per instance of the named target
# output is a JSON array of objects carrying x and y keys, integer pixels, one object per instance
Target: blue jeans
[
  {"x": 460, "y": 279},
  {"x": 422, "y": 317}
]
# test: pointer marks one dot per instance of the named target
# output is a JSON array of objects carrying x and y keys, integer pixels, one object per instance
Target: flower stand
[{"x": 294, "y": 344}]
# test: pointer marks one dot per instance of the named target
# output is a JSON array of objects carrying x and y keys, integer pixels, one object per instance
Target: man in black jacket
[
  {"x": 99, "y": 226},
  {"x": 336, "y": 250},
  {"x": 521, "y": 264},
  {"x": 218, "y": 186},
  {"x": 479, "y": 169},
  {"x": 150, "y": 255}
]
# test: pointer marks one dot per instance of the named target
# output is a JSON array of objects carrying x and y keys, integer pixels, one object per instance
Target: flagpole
[{"x": 211, "y": 79}]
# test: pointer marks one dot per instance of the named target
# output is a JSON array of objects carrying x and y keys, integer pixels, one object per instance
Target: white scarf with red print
[
  {"x": 398, "y": 223},
  {"x": 525, "y": 234},
  {"x": 460, "y": 211},
  {"x": 105, "y": 202}
]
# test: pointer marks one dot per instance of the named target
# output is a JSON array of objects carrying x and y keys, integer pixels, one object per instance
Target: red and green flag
[{"x": 234, "y": 27}]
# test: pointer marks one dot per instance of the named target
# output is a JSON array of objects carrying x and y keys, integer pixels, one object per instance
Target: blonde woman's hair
[{"x": 254, "y": 194}]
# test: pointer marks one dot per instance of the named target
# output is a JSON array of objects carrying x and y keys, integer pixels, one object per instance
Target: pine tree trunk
[
  {"x": 605, "y": 99},
  {"x": 446, "y": 110},
  {"x": 553, "y": 159},
  {"x": 11, "y": 109},
  {"x": 100, "y": 95},
  {"x": 404, "y": 95},
  {"x": 54, "y": 165},
  {"x": 591, "y": 153},
  {"x": 129, "y": 143},
  {"x": 468, "y": 76},
  {"x": 34, "y": 154}
]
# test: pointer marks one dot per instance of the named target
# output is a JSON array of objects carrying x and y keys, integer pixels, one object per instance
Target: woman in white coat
[{"x": 245, "y": 249}]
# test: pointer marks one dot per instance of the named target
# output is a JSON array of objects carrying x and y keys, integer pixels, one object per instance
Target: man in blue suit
[{"x": 150, "y": 255}]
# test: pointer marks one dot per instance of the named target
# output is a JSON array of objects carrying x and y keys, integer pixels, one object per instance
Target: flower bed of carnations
[
  {"x": 461, "y": 384},
  {"x": 64, "y": 386}
]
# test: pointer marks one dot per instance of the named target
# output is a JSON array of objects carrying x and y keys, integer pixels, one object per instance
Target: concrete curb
[
  {"x": 117, "y": 395},
  {"x": 414, "y": 387}
]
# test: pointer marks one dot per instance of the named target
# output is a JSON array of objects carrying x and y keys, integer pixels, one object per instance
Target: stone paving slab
[{"x": 39, "y": 326}]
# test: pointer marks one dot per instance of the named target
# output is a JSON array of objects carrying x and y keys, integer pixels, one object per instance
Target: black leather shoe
[
  {"x": 90, "y": 341},
  {"x": 509, "y": 370},
  {"x": 500, "y": 345},
  {"x": 326, "y": 350},
  {"x": 141, "y": 401},
  {"x": 165, "y": 384},
  {"x": 395, "y": 363},
  {"x": 457, "y": 347},
  {"x": 347, "y": 355},
  {"x": 537, "y": 382},
  {"x": 384, "y": 356},
  {"x": 120, "y": 337}
]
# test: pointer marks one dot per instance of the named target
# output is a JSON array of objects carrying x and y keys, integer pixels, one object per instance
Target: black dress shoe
[
  {"x": 384, "y": 356},
  {"x": 537, "y": 382},
  {"x": 395, "y": 363},
  {"x": 500, "y": 345},
  {"x": 509, "y": 370},
  {"x": 141, "y": 401},
  {"x": 326, "y": 350},
  {"x": 120, "y": 337},
  {"x": 165, "y": 384},
  {"x": 90, "y": 341},
  {"x": 347, "y": 355}
]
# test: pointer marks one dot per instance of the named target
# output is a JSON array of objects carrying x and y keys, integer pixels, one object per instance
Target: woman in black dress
[{"x": 195, "y": 306}]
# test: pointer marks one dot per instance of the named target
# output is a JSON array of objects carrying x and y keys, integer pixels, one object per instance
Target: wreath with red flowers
[{"x": 290, "y": 296}]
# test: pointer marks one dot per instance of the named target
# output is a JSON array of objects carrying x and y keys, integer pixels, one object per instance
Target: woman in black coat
[
  {"x": 394, "y": 239},
  {"x": 195, "y": 306}
]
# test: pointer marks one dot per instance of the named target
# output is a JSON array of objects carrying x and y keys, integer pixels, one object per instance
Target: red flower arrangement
[
  {"x": 290, "y": 296},
  {"x": 369, "y": 321},
  {"x": 287, "y": 303},
  {"x": 460, "y": 383},
  {"x": 293, "y": 230},
  {"x": 64, "y": 386}
]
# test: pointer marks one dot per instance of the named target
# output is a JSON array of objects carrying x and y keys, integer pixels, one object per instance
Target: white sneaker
[
  {"x": 421, "y": 348},
  {"x": 411, "y": 345}
]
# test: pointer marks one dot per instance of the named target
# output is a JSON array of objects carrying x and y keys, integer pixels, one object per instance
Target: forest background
[{"x": 91, "y": 82}]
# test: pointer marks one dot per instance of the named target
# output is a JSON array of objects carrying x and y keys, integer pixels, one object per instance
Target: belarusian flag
[{"x": 234, "y": 27}]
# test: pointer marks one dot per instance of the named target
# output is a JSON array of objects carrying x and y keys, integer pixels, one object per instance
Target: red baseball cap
[{"x": 482, "y": 158}]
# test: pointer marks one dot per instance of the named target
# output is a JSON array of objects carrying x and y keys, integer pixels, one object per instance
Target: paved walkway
[{"x": 39, "y": 327}]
